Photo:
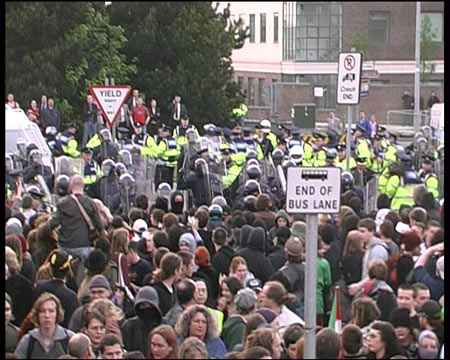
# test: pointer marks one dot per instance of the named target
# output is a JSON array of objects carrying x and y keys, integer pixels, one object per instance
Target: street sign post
[
  {"x": 110, "y": 99},
  {"x": 364, "y": 88},
  {"x": 348, "y": 88},
  {"x": 312, "y": 191}
]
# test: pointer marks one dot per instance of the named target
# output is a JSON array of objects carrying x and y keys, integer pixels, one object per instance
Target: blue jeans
[{"x": 90, "y": 128}]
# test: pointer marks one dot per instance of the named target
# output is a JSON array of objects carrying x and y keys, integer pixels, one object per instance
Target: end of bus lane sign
[
  {"x": 313, "y": 190},
  {"x": 349, "y": 78}
]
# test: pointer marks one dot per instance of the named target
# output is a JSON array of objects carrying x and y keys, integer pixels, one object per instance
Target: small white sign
[
  {"x": 349, "y": 78},
  {"x": 110, "y": 99},
  {"x": 313, "y": 190},
  {"x": 318, "y": 92}
]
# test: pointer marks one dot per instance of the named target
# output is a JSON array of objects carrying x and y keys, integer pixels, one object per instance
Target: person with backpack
[{"x": 48, "y": 340}]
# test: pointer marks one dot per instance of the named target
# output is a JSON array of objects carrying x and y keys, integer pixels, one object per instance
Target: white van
[
  {"x": 437, "y": 121},
  {"x": 19, "y": 128}
]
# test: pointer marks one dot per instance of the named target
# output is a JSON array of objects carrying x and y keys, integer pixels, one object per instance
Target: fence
[{"x": 405, "y": 118}]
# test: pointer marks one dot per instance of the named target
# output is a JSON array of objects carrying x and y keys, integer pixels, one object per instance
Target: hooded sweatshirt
[
  {"x": 254, "y": 255},
  {"x": 188, "y": 238},
  {"x": 135, "y": 330}
]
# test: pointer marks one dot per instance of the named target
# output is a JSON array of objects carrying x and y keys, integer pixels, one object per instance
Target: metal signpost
[
  {"x": 348, "y": 88},
  {"x": 312, "y": 191}
]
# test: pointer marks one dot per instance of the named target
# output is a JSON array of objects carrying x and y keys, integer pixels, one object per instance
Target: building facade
[{"x": 294, "y": 47}]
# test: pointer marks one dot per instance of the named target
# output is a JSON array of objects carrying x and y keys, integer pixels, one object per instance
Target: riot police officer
[
  {"x": 36, "y": 167},
  {"x": 91, "y": 172},
  {"x": 428, "y": 177}
]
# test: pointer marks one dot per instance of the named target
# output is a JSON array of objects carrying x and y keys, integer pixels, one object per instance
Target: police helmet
[
  {"x": 126, "y": 179},
  {"x": 62, "y": 185},
  {"x": 107, "y": 166},
  {"x": 215, "y": 211},
  {"x": 106, "y": 134},
  {"x": 51, "y": 130},
  {"x": 34, "y": 191},
  {"x": 277, "y": 154},
  {"x": 251, "y": 154},
  {"x": 9, "y": 164},
  {"x": 253, "y": 172},
  {"x": 253, "y": 162},
  {"x": 35, "y": 156},
  {"x": 331, "y": 154},
  {"x": 290, "y": 163},
  {"x": 120, "y": 168},
  {"x": 410, "y": 177},
  {"x": 191, "y": 135},
  {"x": 347, "y": 181},
  {"x": 296, "y": 152},
  {"x": 125, "y": 157},
  {"x": 251, "y": 186},
  {"x": 164, "y": 189},
  {"x": 219, "y": 200}
]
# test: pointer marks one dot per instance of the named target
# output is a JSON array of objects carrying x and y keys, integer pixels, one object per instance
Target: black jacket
[
  {"x": 221, "y": 261},
  {"x": 211, "y": 277},
  {"x": 21, "y": 291},
  {"x": 254, "y": 255},
  {"x": 74, "y": 231},
  {"x": 278, "y": 257}
]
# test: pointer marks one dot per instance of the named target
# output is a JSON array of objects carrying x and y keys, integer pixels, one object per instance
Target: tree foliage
[
  {"x": 428, "y": 46},
  {"x": 183, "y": 48},
  {"x": 59, "y": 49},
  {"x": 162, "y": 48}
]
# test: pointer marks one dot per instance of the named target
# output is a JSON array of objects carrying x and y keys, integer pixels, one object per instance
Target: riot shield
[
  {"x": 65, "y": 165},
  {"x": 127, "y": 186},
  {"x": 149, "y": 177}
]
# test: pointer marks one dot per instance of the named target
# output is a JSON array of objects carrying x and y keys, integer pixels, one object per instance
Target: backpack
[{"x": 64, "y": 343}]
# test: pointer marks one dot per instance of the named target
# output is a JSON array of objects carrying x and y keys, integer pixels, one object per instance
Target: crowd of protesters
[{"x": 222, "y": 280}]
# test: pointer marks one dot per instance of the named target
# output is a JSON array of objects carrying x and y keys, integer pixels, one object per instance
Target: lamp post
[{"x": 109, "y": 80}]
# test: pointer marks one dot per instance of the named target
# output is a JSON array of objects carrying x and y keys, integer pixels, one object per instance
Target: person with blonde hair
[
  {"x": 197, "y": 321},
  {"x": 192, "y": 348},
  {"x": 112, "y": 314},
  {"x": 48, "y": 340},
  {"x": 239, "y": 269}
]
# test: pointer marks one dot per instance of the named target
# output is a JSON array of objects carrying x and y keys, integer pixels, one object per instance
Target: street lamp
[{"x": 109, "y": 80}]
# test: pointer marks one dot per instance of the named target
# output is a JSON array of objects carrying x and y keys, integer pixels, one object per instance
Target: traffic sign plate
[
  {"x": 110, "y": 99},
  {"x": 349, "y": 78},
  {"x": 313, "y": 190}
]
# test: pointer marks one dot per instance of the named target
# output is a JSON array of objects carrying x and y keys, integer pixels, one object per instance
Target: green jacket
[
  {"x": 403, "y": 196},
  {"x": 233, "y": 331},
  {"x": 323, "y": 283},
  {"x": 432, "y": 184},
  {"x": 392, "y": 185}
]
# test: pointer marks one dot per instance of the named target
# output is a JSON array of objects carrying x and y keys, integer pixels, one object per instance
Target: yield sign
[{"x": 110, "y": 99}]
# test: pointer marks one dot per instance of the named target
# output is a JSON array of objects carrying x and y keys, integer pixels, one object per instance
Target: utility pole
[{"x": 417, "y": 115}]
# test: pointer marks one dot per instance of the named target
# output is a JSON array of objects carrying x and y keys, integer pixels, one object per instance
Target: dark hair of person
[
  {"x": 349, "y": 223},
  {"x": 203, "y": 217},
  {"x": 186, "y": 257},
  {"x": 263, "y": 202},
  {"x": 219, "y": 236},
  {"x": 160, "y": 252},
  {"x": 105, "y": 246},
  {"x": 261, "y": 337},
  {"x": 438, "y": 237},
  {"x": 367, "y": 223},
  {"x": 383, "y": 202},
  {"x": 328, "y": 344},
  {"x": 387, "y": 229},
  {"x": 378, "y": 270},
  {"x": 292, "y": 334},
  {"x": 351, "y": 339},
  {"x": 277, "y": 292},
  {"x": 185, "y": 290},
  {"x": 135, "y": 214},
  {"x": 160, "y": 239},
  {"x": 234, "y": 285},
  {"x": 170, "y": 263},
  {"x": 109, "y": 340},
  {"x": 157, "y": 215},
  {"x": 117, "y": 222},
  {"x": 136, "y": 354},
  {"x": 255, "y": 352},
  {"x": 353, "y": 243},
  {"x": 169, "y": 219},
  {"x": 142, "y": 202},
  {"x": 389, "y": 338},
  {"x": 249, "y": 217},
  {"x": 254, "y": 321}
]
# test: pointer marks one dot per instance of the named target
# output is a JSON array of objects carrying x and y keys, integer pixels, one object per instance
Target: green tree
[
  {"x": 183, "y": 48},
  {"x": 59, "y": 49},
  {"x": 428, "y": 47},
  {"x": 360, "y": 42}
]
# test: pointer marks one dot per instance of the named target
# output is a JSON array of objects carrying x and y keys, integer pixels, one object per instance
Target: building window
[
  {"x": 252, "y": 28},
  {"x": 240, "y": 81},
  {"x": 379, "y": 27},
  {"x": 262, "y": 32},
  {"x": 318, "y": 31},
  {"x": 437, "y": 23},
  {"x": 262, "y": 96},
  {"x": 251, "y": 91},
  {"x": 275, "y": 28}
]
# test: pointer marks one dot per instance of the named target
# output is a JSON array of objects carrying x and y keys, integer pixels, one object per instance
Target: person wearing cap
[
  {"x": 135, "y": 330},
  {"x": 269, "y": 140},
  {"x": 235, "y": 326},
  {"x": 404, "y": 331},
  {"x": 168, "y": 153},
  {"x": 99, "y": 288},
  {"x": 69, "y": 144},
  {"x": 91, "y": 171},
  {"x": 430, "y": 317},
  {"x": 179, "y": 133},
  {"x": 320, "y": 153},
  {"x": 361, "y": 174},
  {"x": 428, "y": 177},
  {"x": 341, "y": 159},
  {"x": 60, "y": 267}
]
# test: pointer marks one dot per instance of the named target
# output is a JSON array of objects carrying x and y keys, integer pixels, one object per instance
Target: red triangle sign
[{"x": 110, "y": 99}]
